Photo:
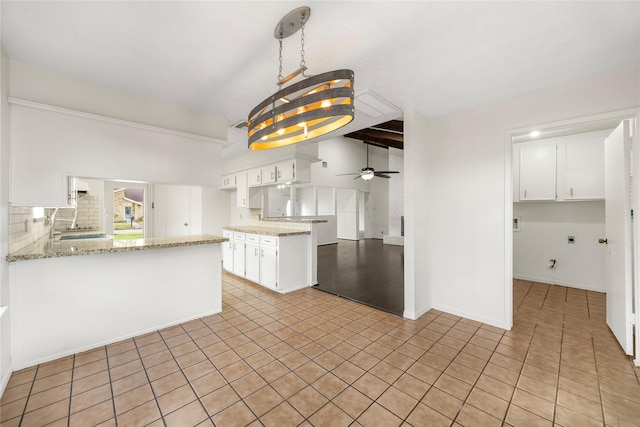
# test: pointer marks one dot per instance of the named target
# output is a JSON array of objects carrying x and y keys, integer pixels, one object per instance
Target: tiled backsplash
[
  {"x": 23, "y": 229},
  {"x": 87, "y": 218}
]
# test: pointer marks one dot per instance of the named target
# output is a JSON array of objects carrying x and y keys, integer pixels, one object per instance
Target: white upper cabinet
[
  {"x": 561, "y": 169},
  {"x": 286, "y": 171},
  {"x": 254, "y": 177},
  {"x": 584, "y": 170},
  {"x": 228, "y": 181},
  {"x": 269, "y": 174},
  {"x": 243, "y": 190},
  {"x": 538, "y": 172}
]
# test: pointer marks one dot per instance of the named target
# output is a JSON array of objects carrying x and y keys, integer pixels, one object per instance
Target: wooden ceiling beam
[
  {"x": 378, "y": 137},
  {"x": 392, "y": 125}
]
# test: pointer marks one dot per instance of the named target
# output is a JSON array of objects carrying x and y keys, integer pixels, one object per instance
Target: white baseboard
[
  {"x": 5, "y": 379},
  {"x": 415, "y": 315},
  {"x": 115, "y": 340},
  {"x": 558, "y": 282},
  {"x": 503, "y": 324},
  {"x": 393, "y": 240}
]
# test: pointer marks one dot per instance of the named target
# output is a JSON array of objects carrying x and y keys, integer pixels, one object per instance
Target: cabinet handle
[
  {"x": 571, "y": 191},
  {"x": 271, "y": 174},
  {"x": 279, "y": 174},
  {"x": 525, "y": 193},
  {"x": 186, "y": 224},
  {"x": 262, "y": 252},
  {"x": 256, "y": 252},
  {"x": 234, "y": 246}
]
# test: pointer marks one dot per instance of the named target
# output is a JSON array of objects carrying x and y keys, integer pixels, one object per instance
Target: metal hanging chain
[
  {"x": 302, "y": 61},
  {"x": 280, "y": 78}
]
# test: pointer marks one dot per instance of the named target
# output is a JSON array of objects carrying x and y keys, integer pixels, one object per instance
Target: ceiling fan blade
[
  {"x": 387, "y": 172},
  {"x": 379, "y": 175},
  {"x": 343, "y": 174},
  {"x": 357, "y": 177}
]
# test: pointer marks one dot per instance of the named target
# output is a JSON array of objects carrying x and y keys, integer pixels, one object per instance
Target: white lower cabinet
[
  {"x": 227, "y": 250},
  {"x": 269, "y": 262},
  {"x": 239, "y": 254},
  {"x": 278, "y": 263},
  {"x": 252, "y": 257}
]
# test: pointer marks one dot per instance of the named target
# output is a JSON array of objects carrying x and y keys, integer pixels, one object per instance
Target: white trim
[
  {"x": 77, "y": 350},
  {"x": 508, "y": 244},
  {"x": 5, "y": 379},
  {"x": 415, "y": 315},
  {"x": 508, "y": 232},
  {"x": 548, "y": 281},
  {"x": 3, "y": 309},
  {"x": 82, "y": 114},
  {"x": 467, "y": 315}
]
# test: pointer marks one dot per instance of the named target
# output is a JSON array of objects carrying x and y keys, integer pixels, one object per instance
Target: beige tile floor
[{"x": 310, "y": 358}]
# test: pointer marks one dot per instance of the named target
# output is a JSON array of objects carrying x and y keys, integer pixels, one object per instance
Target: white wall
[
  {"x": 59, "y": 143},
  {"x": 543, "y": 235},
  {"x": 48, "y": 87},
  {"x": 396, "y": 192},
  {"x": 418, "y": 213},
  {"x": 465, "y": 178},
  {"x": 5, "y": 332}
]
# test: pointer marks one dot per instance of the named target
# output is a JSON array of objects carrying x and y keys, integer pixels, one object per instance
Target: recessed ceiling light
[{"x": 534, "y": 134}]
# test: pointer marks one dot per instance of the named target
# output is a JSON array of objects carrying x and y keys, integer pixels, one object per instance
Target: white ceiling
[{"x": 221, "y": 57}]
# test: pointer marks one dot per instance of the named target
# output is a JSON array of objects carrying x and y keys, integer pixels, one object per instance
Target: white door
[
  {"x": 178, "y": 200},
  {"x": 619, "y": 235}
]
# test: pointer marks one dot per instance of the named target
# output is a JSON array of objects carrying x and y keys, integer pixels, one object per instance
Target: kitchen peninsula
[
  {"x": 280, "y": 254},
  {"x": 71, "y": 296}
]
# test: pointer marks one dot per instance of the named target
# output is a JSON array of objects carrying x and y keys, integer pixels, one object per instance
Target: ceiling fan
[{"x": 367, "y": 173}]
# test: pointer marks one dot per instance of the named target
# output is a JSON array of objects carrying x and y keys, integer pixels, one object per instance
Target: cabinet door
[
  {"x": 269, "y": 266},
  {"x": 243, "y": 190},
  {"x": 538, "y": 172},
  {"x": 252, "y": 262},
  {"x": 239, "y": 258},
  {"x": 228, "y": 181},
  {"x": 269, "y": 175},
  {"x": 287, "y": 171},
  {"x": 255, "y": 177},
  {"x": 227, "y": 251},
  {"x": 585, "y": 169}
]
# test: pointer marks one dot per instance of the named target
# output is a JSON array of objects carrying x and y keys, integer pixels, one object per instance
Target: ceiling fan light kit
[
  {"x": 304, "y": 110},
  {"x": 368, "y": 173}
]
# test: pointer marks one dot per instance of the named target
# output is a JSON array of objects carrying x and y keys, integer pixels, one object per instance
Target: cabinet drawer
[
  {"x": 269, "y": 240},
  {"x": 240, "y": 237},
  {"x": 253, "y": 238},
  {"x": 227, "y": 233}
]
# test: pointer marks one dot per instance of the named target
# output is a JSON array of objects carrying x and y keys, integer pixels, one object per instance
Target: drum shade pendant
[{"x": 304, "y": 110}]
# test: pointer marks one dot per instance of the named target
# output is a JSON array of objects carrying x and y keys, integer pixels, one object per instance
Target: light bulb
[
  {"x": 367, "y": 175},
  {"x": 281, "y": 131},
  {"x": 325, "y": 103}
]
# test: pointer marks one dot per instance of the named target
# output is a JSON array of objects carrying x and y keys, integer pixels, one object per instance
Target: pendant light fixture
[{"x": 304, "y": 110}]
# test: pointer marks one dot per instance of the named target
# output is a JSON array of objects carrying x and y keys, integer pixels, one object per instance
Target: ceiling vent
[
  {"x": 374, "y": 105},
  {"x": 239, "y": 125}
]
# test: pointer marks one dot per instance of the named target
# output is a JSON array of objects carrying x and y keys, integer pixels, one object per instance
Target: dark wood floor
[{"x": 366, "y": 271}]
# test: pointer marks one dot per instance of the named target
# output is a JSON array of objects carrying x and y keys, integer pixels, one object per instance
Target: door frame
[{"x": 508, "y": 207}]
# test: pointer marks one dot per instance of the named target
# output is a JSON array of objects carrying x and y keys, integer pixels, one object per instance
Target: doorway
[
  {"x": 559, "y": 254},
  {"x": 126, "y": 215}
]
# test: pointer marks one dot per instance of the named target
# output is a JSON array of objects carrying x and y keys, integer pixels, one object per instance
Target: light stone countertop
[
  {"x": 301, "y": 220},
  {"x": 265, "y": 231},
  {"x": 54, "y": 248}
]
